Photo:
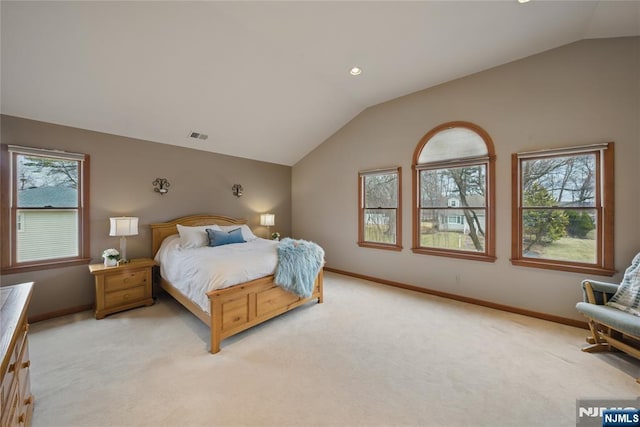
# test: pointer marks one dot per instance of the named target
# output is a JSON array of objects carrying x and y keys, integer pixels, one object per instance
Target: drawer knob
[
  {"x": 22, "y": 418},
  {"x": 12, "y": 367},
  {"x": 126, "y": 296},
  {"x": 26, "y": 364},
  {"x": 28, "y": 400}
]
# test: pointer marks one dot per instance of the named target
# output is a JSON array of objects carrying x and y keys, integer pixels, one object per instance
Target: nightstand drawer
[
  {"x": 115, "y": 282},
  {"x": 118, "y": 298}
]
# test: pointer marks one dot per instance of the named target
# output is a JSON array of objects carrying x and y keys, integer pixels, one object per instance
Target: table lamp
[
  {"x": 267, "y": 220},
  {"x": 123, "y": 226}
]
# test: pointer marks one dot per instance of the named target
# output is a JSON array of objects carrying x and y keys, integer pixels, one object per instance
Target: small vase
[{"x": 110, "y": 262}]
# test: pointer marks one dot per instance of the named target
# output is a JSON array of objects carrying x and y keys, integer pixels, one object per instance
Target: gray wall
[
  {"x": 122, "y": 170},
  {"x": 581, "y": 93}
]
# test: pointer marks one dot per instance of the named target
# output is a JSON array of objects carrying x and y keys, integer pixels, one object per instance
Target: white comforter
[{"x": 196, "y": 271}]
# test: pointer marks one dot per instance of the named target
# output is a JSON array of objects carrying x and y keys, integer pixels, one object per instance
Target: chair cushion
[
  {"x": 600, "y": 289},
  {"x": 617, "y": 319}
]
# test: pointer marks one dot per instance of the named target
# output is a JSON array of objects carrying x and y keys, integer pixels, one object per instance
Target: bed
[{"x": 236, "y": 308}]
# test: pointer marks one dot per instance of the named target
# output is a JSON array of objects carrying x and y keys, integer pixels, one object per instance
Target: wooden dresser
[
  {"x": 16, "y": 400},
  {"x": 123, "y": 287}
]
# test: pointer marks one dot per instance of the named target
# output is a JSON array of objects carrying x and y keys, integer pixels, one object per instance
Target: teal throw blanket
[{"x": 299, "y": 262}]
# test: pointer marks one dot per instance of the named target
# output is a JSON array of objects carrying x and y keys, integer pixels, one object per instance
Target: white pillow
[
  {"x": 195, "y": 237},
  {"x": 247, "y": 234},
  {"x": 627, "y": 297}
]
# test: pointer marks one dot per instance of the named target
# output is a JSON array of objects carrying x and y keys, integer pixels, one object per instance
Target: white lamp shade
[
  {"x": 124, "y": 226},
  {"x": 267, "y": 219}
]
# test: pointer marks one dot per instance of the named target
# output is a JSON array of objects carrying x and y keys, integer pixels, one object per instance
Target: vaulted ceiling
[{"x": 264, "y": 80}]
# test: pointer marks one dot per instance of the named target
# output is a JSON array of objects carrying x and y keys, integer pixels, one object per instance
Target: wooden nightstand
[{"x": 123, "y": 287}]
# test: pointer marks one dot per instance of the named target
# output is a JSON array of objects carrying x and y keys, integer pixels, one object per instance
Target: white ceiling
[{"x": 265, "y": 80}]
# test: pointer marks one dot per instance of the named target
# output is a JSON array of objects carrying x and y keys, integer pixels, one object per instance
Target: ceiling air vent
[{"x": 197, "y": 135}]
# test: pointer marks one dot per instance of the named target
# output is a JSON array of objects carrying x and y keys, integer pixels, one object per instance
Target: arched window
[{"x": 454, "y": 195}]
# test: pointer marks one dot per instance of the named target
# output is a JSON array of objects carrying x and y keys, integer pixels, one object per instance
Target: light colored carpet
[{"x": 370, "y": 355}]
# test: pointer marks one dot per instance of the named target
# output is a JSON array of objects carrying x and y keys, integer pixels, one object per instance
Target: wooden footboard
[
  {"x": 239, "y": 307},
  {"x": 242, "y": 306}
]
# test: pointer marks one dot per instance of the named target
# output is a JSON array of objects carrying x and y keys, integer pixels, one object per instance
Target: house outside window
[
  {"x": 379, "y": 209},
  {"x": 44, "y": 213},
  {"x": 454, "y": 193},
  {"x": 457, "y": 220},
  {"x": 563, "y": 209}
]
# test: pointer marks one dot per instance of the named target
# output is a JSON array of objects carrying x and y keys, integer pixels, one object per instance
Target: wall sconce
[
  {"x": 161, "y": 185},
  {"x": 237, "y": 190}
]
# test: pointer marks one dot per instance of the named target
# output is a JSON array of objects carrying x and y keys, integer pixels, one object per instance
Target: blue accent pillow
[{"x": 219, "y": 238}]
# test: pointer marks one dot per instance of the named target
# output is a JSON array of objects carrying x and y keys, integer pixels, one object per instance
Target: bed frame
[{"x": 238, "y": 307}]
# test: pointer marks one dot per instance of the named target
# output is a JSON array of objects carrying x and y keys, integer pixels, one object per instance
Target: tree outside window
[
  {"x": 452, "y": 208},
  {"x": 563, "y": 210},
  {"x": 453, "y": 214}
]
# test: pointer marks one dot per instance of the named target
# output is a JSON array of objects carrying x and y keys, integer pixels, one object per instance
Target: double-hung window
[
  {"x": 454, "y": 197},
  {"x": 563, "y": 209},
  {"x": 379, "y": 213},
  {"x": 44, "y": 208}
]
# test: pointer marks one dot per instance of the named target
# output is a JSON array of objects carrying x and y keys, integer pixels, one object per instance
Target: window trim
[
  {"x": 489, "y": 255},
  {"x": 604, "y": 265},
  {"x": 8, "y": 212},
  {"x": 361, "y": 208}
]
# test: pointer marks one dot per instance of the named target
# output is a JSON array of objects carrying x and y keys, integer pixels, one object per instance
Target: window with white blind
[{"x": 44, "y": 208}]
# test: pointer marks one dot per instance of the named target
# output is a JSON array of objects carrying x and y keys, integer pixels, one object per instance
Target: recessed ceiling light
[
  {"x": 523, "y": 1},
  {"x": 355, "y": 71}
]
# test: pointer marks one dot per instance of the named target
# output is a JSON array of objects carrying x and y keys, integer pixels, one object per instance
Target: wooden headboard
[{"x": 162, "y": 230}]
